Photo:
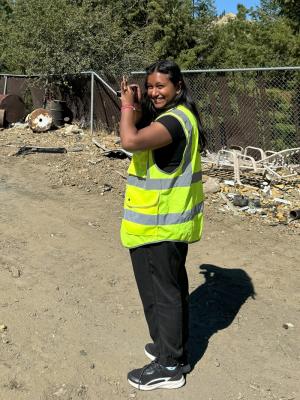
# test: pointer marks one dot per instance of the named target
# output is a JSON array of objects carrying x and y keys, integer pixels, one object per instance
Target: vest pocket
[
  {"x": 136, "y": 198},
  {"x": 141, "y": 211}
]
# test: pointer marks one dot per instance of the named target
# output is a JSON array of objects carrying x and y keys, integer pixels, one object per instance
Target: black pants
[{"x": 162, "y": 282}]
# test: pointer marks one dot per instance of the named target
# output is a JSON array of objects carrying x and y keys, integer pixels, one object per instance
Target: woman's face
[{"x": 160, "y": 90}]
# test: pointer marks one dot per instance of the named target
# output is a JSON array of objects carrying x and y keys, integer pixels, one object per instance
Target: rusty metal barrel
[
  {"x": 40, "y": 120},
  {"x": 14, "y": 107},
  {"x": 57, "y": 109}
]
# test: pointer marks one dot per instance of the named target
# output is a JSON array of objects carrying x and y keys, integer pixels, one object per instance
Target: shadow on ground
[{"x": 214, "y": 305}]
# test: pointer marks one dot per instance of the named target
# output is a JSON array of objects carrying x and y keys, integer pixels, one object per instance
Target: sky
[{"x": 230, "y": 5}]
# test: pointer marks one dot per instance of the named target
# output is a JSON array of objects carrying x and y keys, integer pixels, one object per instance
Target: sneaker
[
  {"x": 156, "y": 376},
  {"x": 152, "y": 354}
]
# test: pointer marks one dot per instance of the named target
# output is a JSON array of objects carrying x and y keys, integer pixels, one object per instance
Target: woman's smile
[{"x": 158, "y": 99}]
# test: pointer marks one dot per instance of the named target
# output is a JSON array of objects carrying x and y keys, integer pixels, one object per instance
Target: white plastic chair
[{"x": 273, "y": 164}]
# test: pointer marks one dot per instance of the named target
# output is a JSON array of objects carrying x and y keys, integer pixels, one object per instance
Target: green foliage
[
  {"x": 283, "y": 126},
  {"x": 291, "y": 9},
  {"x": 116, "y": 36},
  {"x": 270, "y": 8},
  {"x": 5, "y": 13},
  {"x": 56, "y": 37},
  {"x": 204, "y": 9},
  {"x": 5, "y": 9},
  {"x": 259, "y": 40},
  {"x": 170, "y": 28}
]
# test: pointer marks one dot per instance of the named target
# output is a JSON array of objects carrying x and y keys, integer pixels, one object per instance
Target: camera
[{"x": 135, "y": 92}]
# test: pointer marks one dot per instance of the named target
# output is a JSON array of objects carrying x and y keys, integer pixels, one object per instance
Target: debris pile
[
  {"x": 70, "y": 156},
  {"x": 273, "y": 203}
]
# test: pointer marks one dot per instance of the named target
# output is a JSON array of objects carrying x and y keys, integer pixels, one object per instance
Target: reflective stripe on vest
[
  {"x": 160, "y": 184},
  {"x": 163, "y": 219}
]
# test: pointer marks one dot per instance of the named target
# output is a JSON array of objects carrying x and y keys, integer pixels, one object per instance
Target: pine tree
[
  {"x": 204, "y": 9},
  {"x": 5, "y": 8},
  {"x": 291, "y": 9},
  {"x": 171, "y": 27}
]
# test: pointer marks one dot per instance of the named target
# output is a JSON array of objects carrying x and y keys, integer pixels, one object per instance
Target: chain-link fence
[
  {"x": 242, "y": 107},
  {"x": 258, "y": 108},
  {"x": 247, "y": 107}
]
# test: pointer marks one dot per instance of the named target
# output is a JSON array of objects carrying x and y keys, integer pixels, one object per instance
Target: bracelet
[{"x": 128, "y": 107}]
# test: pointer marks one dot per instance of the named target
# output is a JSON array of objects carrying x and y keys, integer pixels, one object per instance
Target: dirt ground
[{"x": 71, "y": 322}]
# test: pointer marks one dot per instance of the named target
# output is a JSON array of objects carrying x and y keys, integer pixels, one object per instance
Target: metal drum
[
  {"x": 14, "y": 108},
  {"x": 40, "y": 120},
  {"x": 57, "y": 109}
]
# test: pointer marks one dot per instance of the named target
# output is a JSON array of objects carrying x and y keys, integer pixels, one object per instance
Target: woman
[{"x": 162, "y": 213}]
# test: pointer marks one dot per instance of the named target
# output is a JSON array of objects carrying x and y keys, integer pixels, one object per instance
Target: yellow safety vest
[{"x": 161, "y": 206}]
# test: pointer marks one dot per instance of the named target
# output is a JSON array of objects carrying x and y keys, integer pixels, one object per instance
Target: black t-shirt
[{"x": 169, "y": 157}]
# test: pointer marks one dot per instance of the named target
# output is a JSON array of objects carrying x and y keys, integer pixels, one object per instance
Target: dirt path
[{"x": 73, "y": 316}]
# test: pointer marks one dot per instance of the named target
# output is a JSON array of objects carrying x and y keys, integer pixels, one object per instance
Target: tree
[
  {"x": 57, "y": 37},
  {"x": 202, "y": 28},
  {"x": 5, "y": 8},
  {"x": 270, "y": 8},
  {"x": 203, "y": 9},
  {"x": 5, "y": 13},
  {"x": 170, "y": 28},
  {"x": 252, "y": 39},
  {"x": 116, "y": 36},
  {"x": 291, "y": 9},
  {"x": 286, "y": 8}
]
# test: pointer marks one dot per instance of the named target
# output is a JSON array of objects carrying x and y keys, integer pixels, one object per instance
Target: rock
[
  {"x": 61, "y": 392},
  {"x": 254, "y": 203},
  {"x": 212, "y": 185},
  {"x": 5, "y": 340},
  {"x": 229, "y": 182},
  {"x": 3, "y": 328},
  {"x": 20, "y": 125},
  {"x": 74, "y": 129},
  {"x": 240, "y": 201},
  {"x": 217, "y": 363},
  {"x": 280, "y": 217},
  {"x": 15, "y": 272},
  {"x": 282, "y": 201},
  {"x": 288, "y": 325}
]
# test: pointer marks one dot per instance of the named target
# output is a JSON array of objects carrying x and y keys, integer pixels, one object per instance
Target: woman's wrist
[
  {"x": 127, "y": 106},
  {"x": 130, "y": 107}
]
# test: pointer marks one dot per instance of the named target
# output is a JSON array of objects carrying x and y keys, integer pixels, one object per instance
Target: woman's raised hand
[{"x": 130, "y": 94}]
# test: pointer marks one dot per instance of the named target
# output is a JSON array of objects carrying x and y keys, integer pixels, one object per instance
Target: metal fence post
[
  {"x": 5, "y": 84},
  {"x": 92, "y": 103}
]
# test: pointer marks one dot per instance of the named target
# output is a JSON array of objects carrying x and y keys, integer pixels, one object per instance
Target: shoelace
[{"x": 144, "y": 369}]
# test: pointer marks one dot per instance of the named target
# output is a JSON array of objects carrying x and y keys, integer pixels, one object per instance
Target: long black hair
[{"x": 183, "y": 97}]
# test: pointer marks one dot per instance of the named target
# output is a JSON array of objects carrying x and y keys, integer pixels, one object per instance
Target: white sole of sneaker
[
  {"x": 161, "y": 385},
  {"x": 150, "y": 356}
]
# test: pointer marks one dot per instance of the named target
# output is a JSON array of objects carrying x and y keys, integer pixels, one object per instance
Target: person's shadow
[{"x": 214, "y": 305}]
